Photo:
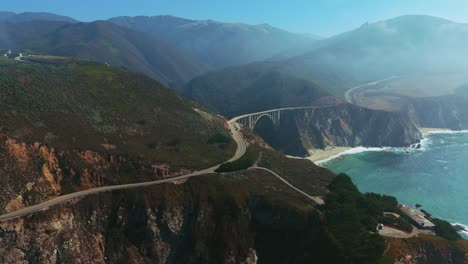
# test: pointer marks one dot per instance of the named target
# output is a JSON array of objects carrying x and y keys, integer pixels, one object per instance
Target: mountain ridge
[
  {"x": 107, "y": 43},
  {"x": 13, "y": 17},
  {"x": 216, "y": 43}
]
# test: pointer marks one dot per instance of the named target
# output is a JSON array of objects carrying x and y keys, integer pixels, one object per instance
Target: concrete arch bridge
[{"x": 250, "y": 120}]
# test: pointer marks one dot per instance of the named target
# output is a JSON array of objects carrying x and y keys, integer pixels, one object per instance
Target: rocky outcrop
[
  {"x": 425, "y": 249},
  {"x": 33, "y": 172},
  {"x": 343, "y": 125}
]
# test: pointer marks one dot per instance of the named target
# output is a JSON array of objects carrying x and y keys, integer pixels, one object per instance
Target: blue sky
[{"x": 322, "y": 17}]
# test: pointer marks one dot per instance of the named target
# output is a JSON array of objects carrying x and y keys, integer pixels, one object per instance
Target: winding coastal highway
[{"x": 241, "y": 149}]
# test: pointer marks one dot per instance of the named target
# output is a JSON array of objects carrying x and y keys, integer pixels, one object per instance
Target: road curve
[
  {"x": 236, "y": 135},
  {"x": 316, "y": 199},
  {"x": 240, "y": 151},
  {"x": 349, "y": 95}
]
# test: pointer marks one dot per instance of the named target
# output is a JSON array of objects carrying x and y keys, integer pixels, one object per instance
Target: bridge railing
[{"x": 251, "y": 119}]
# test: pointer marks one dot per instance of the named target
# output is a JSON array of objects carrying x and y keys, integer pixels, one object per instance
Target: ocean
[{"x": 435, "y": 175}]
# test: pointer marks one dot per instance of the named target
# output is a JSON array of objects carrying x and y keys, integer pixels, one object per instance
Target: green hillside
[{"x": 82, "y": 105}]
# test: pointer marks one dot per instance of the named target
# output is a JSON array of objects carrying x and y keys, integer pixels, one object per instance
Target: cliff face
[
  {"x": 440, "y": 112},
  {"x": 207, "y": 220},
  {"x": 343, "y": 125},
  {"x": 425, "y": 250}
]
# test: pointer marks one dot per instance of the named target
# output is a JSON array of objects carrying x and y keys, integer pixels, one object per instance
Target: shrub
[
  {"x": 243, "y": 163},
  {"x": 220, "y": 138},
  {"x": 445, "y": 229}
]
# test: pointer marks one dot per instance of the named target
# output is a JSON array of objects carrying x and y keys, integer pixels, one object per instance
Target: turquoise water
[{"x": 435, "y": 176}]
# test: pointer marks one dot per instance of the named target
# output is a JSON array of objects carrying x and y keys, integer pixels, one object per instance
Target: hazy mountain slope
[
  {"x": 33, "y": 16},
  {"x": 400, "y": 46},
  {"x": 218, "y": 44},
  {"x": 106, "y": 42},
  {"x": 13, "y": 36},
  {"x": 5, "y": 15},
  {"x": 252, "y": 88}
]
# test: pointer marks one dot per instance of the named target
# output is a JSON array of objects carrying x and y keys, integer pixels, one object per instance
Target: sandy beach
[
  {"x": 322, "y": 154},
  {"x": 426, "y": 130}
]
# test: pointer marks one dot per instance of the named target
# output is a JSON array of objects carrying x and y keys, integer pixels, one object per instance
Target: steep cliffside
[
  {"x": 440, "y": 112},
  {"x": 426, "y": 250},
  {"x": 343, "y": 125},
  {"x": 213, "y": 219}
]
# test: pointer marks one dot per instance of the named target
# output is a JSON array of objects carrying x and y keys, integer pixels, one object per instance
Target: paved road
[
  {"x": 350, "y": 94},
  {"x": 316, "y": 199},
  {"x": 20, "y": 58},
  {"x": 241, "y": 148},
  {"x": 393, "y": 232}
]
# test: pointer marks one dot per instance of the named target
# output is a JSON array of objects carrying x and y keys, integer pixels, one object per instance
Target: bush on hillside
[
  {"x": 445, "y": 229},
  {"x": 247, "y": 160},
  {"x": 219, "y": 138}
]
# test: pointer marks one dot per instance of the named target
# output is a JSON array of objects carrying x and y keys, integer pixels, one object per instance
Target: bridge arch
[
  {"x": 251, "y": 120},
  {"x": 268, "y": 116}
]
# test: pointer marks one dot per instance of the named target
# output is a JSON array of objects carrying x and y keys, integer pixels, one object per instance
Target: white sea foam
[
  {"x": 424, "y": 144},
  {"x": 448, "y": 131},
  {"x": 463, "y": 232},
  {"x": 351, "y": 151}
]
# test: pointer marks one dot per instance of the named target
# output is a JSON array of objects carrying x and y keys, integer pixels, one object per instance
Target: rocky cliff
[
  {"x": 440, "y": 112},
  {"x": 343, "y": 125},
  {"x": 424, "y": 250},
  {"x": 232, "y": 219}
]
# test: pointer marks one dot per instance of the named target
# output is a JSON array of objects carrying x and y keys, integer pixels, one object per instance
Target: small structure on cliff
[
  {"x": 162, "y": 170},
  {"x": 418, "y": 218}
]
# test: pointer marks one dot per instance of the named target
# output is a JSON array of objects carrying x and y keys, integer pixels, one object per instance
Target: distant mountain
[
  {"x": 15, "y": 35},
  {"x": 104, "y": 42},
  {"x": 401, "y": 46},
  {"x": 5, "y": 15},
  {"x": 33, "y": 16},
  {"x": 219, "y": 44}
]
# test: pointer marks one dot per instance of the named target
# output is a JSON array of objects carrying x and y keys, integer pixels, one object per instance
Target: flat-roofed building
[{"x": 419, "y": 218}]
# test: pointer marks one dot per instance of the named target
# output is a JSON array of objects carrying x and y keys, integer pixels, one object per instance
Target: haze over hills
[
  {"x": 194, "y": 47},
  {"x": 406, "y": 45},
  {"x": 105, "y": 42},
  {"x": 219, "y": 44}
]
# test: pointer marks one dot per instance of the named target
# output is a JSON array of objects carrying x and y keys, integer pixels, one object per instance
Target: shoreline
[
  {"x": 429, "y": 131},
  {"x": 320, "y": 156}
]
